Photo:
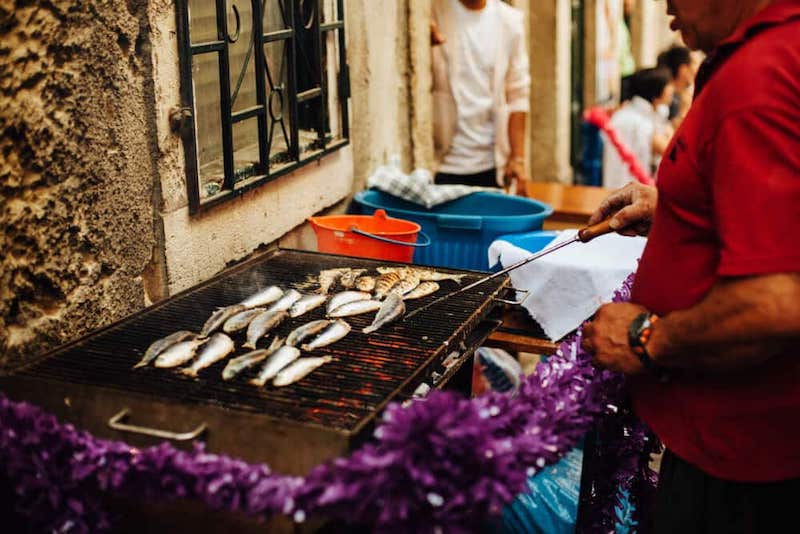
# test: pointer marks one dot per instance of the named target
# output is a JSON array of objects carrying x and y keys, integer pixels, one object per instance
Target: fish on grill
[
  {"x": 333, "y": 333},
  {"x": 309, "y": 329},
  {"x": 385, "y": 283},
  {"x": 406, "y": 284},
  {"x": 357, "y": 307},
  {"x": 391, "y": 309},
  {"x": 261, "y": 324},
  {"x": 160, "y": 345},
  {"x": 263, "y": 297},
  {"x": 348, "y": 279},
  {"x": 286, "y": 301},
  {"x": 275, "y": 362},
  {"x": 345, "y": 297},
  {"x": 241, "y": 320},
  {"x": 299, "y": 369},
  {"x": 425, "y": 275},
  {"x": 306, "y": 304},
  {"x": 328, "y": 278},
  {"x": 219, "y": 317},
  {"x": 365, "y": 283},
  {"x": 245, "y": 361},
  {"x": 422, "y": 290},
  {"x": 179, "y": 353},
  {"x": 217, "y": 348}
]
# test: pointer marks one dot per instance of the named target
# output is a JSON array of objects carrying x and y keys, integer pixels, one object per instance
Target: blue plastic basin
[{"x": 461, "y": 230}]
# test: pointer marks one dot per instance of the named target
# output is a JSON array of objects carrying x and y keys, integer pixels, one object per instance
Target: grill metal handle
[
  {"x": 514, "y": 302},
  {"x": 116, "y": 423}
]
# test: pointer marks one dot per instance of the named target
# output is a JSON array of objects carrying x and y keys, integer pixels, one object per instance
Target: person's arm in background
[
  {"x": 515, "y": 167},
  {"x": 518, "y": 84}
]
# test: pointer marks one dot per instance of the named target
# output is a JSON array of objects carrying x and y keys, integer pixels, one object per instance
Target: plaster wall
[
  {"x": 77, "y": 175},
  {"x": 199, "y": 246}
]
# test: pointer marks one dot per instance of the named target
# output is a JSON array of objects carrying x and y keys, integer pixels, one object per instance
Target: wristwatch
[{"x": 639, "y": 332}]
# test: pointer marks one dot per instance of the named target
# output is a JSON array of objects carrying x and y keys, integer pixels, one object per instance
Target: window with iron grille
[{"x": 264, "y": 88}]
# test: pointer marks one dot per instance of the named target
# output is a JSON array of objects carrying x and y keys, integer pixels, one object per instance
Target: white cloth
[
  {"x": 472, "y": 148},
  {"x": 567, "y": 286},
  {"x": 635, "y": 123},
  {"x": 417, "y": 187}
]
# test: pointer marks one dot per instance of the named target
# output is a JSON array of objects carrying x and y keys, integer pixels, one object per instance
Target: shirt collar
[{"x": 772, "y": 15}]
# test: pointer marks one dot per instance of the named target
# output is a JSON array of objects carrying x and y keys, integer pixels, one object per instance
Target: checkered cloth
[{"x": 418, "y": 187}]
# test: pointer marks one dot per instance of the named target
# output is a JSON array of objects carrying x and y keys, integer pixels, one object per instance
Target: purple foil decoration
[{"x": 445, "y": 464}]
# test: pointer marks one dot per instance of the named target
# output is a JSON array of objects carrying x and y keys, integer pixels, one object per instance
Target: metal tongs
[{"x": 584, "y": 235}]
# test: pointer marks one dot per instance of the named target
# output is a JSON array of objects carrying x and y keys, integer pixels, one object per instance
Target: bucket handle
[{"x": 355, "y": 230}]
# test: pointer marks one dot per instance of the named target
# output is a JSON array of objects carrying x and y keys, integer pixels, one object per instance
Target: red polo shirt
[{"x": 729, "y": 205}]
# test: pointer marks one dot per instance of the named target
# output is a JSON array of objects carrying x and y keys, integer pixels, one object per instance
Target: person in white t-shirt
[
  {"x": 481, "y": 87},
  {"x": 642, "y": 125}
]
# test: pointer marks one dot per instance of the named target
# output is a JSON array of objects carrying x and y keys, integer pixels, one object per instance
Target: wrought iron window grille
[{"x": 281, "y": 91}]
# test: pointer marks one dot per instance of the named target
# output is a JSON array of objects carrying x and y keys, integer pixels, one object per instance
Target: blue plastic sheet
[{"x": 550, "y": 506}]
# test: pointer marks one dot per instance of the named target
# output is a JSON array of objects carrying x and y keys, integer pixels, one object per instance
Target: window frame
[{"x": 233, "y": 188}]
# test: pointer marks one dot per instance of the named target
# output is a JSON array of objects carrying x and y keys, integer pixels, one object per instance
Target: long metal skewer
[{"x": 584, "y": 236}]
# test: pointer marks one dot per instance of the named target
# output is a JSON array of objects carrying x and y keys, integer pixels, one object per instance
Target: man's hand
[
  {"x": 436, "y": 36},
  {"x": 607, "y": 337},
  {"x": 632, "y": 208},
  {"x": 514, "y": 178}
]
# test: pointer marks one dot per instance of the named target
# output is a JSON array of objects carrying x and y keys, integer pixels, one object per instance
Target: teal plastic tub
[{"x": 461, "y": 230}]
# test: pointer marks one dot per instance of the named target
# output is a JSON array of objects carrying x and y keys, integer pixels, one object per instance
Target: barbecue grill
[{"x": 90, "y": 382}]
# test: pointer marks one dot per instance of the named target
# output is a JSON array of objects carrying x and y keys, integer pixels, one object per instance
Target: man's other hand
[
  {"x": 607, "y": 337},
  {"x": 631, "y": 209}
]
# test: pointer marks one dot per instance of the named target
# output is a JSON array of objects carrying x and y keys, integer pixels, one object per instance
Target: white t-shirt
[
  {"x": 635, "y": 123},
  {"x": 473, "y": 146}
]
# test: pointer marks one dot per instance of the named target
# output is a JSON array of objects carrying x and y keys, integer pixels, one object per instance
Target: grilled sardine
[
  {"x": 333, "y": 333},
  {"x": 309, "y": 329},
  {"x": 275, "y": 362},
  {"x": 219, "y": 317},
  {"x": 328, "y": 277},
  {"x": 385, "y": 283},
  {"x": 340, "y": 299},
  {"x": 422, "y": 290},
  {"x": 179, "y": 353},
  {"x": 299, "y": 370},
  {"x": 240, "y": 320},
  {"x": 240, "y": 363},
  {"x": 406, "y": 284},
  {"x": 425, "y": 275},
  {"x": 261, "y": 324},
  {"x": 357, "y": 307},
  {"x": 306, "y": 304},
  {"x": 262, "y": 298},
  {"x": 159, "y": 346},
  {"x": 391, "y": 309},
  {"x": 348, "y": 279},
  {"x": 218, "y": 347},
  {"x": 286, "y": 301},
  {"x": 365, "y": 283}
]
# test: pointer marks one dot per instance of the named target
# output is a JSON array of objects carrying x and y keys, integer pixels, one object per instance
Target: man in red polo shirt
[{"x": 712, "y": 334}]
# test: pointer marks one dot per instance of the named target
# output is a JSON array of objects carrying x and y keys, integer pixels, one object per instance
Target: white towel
[{"x": 567, "y": 286}]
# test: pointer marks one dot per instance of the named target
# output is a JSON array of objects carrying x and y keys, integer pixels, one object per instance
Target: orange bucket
[{"x": 367, "y": 236}]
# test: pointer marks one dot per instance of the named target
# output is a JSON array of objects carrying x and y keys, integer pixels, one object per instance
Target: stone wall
[{"x": 77, "y": 175}]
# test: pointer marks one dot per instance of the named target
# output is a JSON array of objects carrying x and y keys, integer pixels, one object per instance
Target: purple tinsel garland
[{"x": 445, "y": 464}]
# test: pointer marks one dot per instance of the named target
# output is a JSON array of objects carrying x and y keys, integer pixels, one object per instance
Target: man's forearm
[
  {"x": 740, "y": 323},
  {"x": 516, "y": 133}
]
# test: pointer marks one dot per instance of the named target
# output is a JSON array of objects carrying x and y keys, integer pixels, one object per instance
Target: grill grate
[{"x": 368, "y": 371}]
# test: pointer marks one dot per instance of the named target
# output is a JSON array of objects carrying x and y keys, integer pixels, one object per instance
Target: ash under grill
[{"x": 344, "y": 395}]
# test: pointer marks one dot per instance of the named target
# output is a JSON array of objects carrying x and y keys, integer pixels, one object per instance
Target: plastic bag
[{"x": 550, "y": 506}]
